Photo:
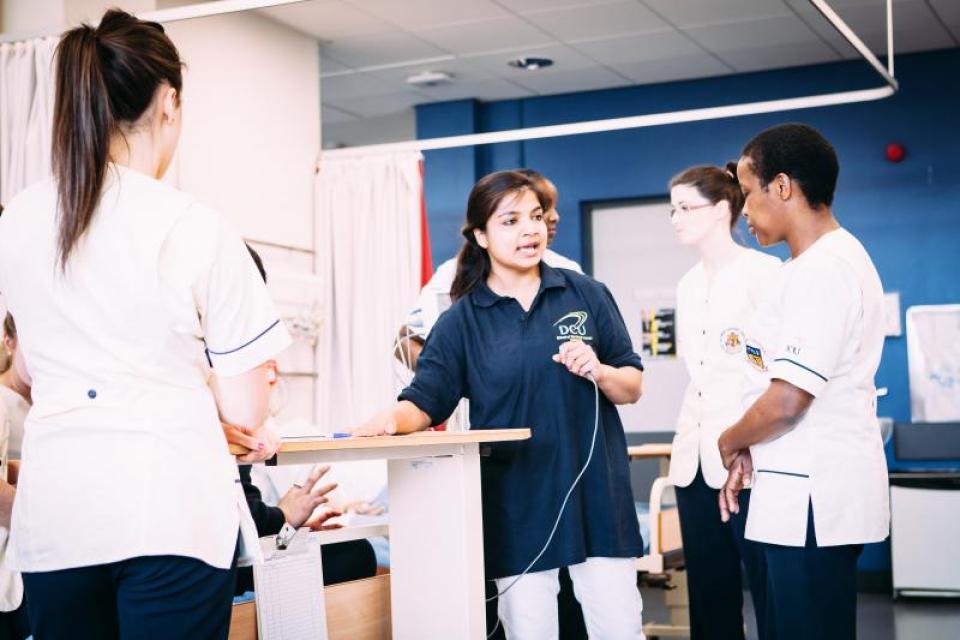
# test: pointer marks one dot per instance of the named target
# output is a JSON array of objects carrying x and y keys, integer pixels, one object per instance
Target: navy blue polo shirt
[{"x": 488, "y": 349}]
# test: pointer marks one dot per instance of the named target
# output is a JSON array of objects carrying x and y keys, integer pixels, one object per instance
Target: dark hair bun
[{"x": 731, "y": 168}]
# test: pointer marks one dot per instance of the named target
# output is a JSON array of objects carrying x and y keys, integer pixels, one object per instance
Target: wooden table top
[
  {"x": 637, "y": 452},
  {"x": 420, "y": 438}
]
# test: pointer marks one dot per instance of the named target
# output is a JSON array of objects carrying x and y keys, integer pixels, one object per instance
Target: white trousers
[{"x": 607, "y": 591}]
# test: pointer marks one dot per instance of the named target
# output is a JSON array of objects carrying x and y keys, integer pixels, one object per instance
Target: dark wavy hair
[{"x": 473, "y": 263}]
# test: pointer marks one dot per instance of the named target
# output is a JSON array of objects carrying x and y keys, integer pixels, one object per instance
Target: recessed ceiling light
[{"x": 530, "y": 64}]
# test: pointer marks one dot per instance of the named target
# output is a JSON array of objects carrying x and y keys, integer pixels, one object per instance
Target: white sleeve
[
  {"x": 434, "y": 298},
  {"x": 820, "y": 304},
  {"x": 558, "y": 261},
  {"x": 679, "y": 324},
  {"x": 240, "y": 326}
]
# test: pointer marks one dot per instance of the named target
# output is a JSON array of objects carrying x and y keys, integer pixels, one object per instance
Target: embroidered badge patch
[
  {"x": 755, "y": 356},
  {"x": 731, "y": 340}
]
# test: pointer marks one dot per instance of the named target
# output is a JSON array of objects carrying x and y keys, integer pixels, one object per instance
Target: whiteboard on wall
[
  {"x": 933, "y": 361},
  {"x": 635, "y": 252}
]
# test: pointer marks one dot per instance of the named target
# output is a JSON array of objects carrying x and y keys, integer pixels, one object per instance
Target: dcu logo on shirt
[{"x": 572, "y": 327}]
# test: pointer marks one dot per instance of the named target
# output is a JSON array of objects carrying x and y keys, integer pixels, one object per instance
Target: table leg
[{"x": 436, "y": 547}]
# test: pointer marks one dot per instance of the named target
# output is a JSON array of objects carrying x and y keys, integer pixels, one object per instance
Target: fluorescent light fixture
[{"x": 206, "y": 9}]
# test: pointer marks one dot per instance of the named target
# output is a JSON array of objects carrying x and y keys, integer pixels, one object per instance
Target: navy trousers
[
  {"x": 811, "y": 590},
  {"x": 713, "y": 551},
  {"x": 146, "y": 598}
]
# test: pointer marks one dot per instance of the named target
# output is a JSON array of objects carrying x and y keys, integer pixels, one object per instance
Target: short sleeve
[
  {"x": 820, "y": 304},
  {"x": 433, "y": 300},
  {"x": 238, "y": 320},
  {"x": 614, "y": 347},
  {"x": 557, "y": 261},
  {"x": 422, "y": 317},
  {"x": 440, "y": 378}
]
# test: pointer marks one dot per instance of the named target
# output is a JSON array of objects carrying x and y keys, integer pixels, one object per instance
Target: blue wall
[{"x": 907, "y": 215}]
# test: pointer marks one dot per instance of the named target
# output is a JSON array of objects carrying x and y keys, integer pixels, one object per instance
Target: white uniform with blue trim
[
  {"x": 123, "y": 453},
  {"x": 711, "y": 317},
  {"x": 820, "y": 328}
]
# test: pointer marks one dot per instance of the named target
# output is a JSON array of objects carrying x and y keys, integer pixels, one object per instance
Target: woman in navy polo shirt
[{"x": 522, "y": 342}]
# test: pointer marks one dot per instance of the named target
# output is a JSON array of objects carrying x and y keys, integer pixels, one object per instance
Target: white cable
[{"x": 556, "y": 523}]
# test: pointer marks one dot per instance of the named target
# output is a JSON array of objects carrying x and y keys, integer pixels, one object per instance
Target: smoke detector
[{"x": 430, "y": 78}]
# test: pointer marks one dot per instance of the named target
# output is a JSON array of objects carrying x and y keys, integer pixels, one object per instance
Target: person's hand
[
  {"x": 727, "y": 453},
  {"x": 262, "y": 442},
  {"x": 739, "y": 478},
  {"x": 13, "y": 471},
  {"x": 580, "y": 359},
  {"x": 317, "y": 523},
  {"x": 382, "y": 423},
  {"x": 364, "y": 508},
  {"x": 300, "y": 501}
]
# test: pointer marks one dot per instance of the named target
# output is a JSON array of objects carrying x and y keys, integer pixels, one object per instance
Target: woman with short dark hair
[{"x": 810, "y": 441}]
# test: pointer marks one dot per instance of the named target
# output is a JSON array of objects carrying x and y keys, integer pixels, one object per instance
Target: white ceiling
[{"x": 369, "y": 47}]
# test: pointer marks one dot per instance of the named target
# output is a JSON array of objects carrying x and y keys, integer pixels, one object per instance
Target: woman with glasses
[{"x": 714, "y": 299}]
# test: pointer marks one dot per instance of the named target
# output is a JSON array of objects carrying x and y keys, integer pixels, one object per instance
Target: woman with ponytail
[
  {"x": 525, "y": 343},
  {"x": 127, "y": 513},
  {"x": 714, "y": 301}
]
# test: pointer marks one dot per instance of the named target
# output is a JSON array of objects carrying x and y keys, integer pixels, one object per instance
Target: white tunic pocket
[{"x": 779, "y": 501}]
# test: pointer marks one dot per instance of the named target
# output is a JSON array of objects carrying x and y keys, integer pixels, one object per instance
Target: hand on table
[
  {"x": 262, "y": 441},
  {"x": 381, "y": 424}
]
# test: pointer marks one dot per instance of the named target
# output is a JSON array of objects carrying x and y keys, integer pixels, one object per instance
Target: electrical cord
[{"x": 563, "y": 505}]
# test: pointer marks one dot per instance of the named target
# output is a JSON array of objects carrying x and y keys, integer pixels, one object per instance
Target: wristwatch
[{"x": 285, "y": 536}]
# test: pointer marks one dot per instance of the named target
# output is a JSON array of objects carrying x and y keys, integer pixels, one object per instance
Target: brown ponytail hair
[
  {"x": 105, "y": 79},
  {"x": 715, "y": 184},
  {"x": 9, "y": 327},
  {"x": 473, "y": 263}
]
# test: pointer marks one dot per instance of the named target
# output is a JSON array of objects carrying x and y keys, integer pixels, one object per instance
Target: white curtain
[
  {"x": 368, "y": 257},
  {"x": 26, "y": 113}
]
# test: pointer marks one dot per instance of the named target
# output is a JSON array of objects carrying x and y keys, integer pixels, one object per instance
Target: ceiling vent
[
  {"x": 430, "y": 78},
  {"x": 530, "y": 64}
]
